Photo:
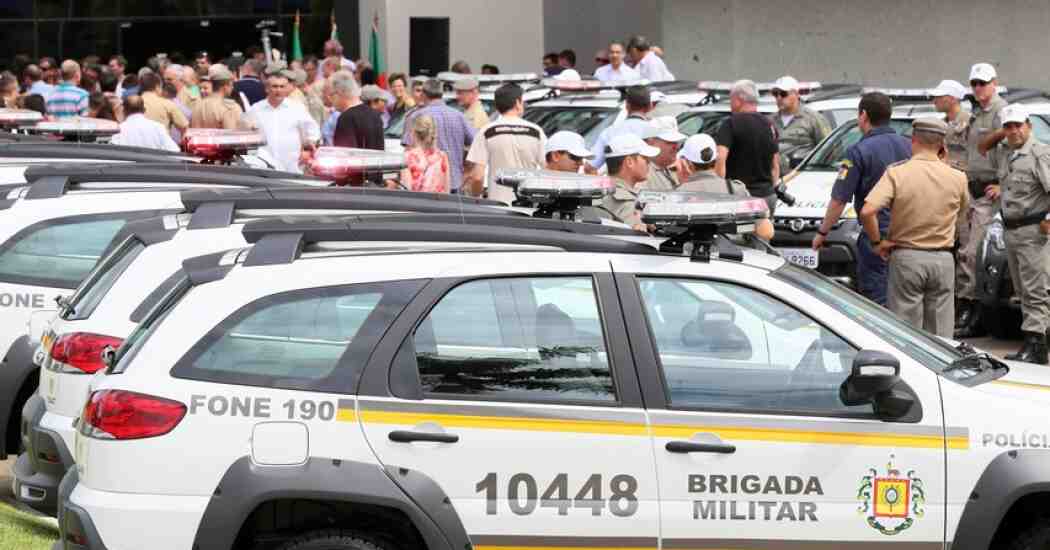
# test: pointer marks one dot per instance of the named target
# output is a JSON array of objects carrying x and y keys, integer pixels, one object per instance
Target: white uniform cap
[
  {"x": 569, "y": 142},
  {"x": 664, "y": 128},
  {"x": 694, "y": 148},
  {"x": 568, "y": 74},
  {"x": 983, "y": 72},
  {"x": 786, "y": 84},
  {"x": 629, "y": 144},
  {"x": 950, "y": 88},
  {"x": 656, "y": 96},
  {"x": 1014, "y": 113}
]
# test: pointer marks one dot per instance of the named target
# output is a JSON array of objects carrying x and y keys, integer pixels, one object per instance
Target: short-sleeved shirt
[
  {"x": 984, "y": 121},
  {"x": 752, "y": 141},
  {"x": 507, "y": 143},
  {"x": 804, "y": 130},
  {"x": 1025, "y": 177},
  {"x": 164, "y": 111},
  {"x": 864, "y": 165},
  {"x": 67, "y": 100},
  {"x": 660, "y": 179},
  {"x": 925, "y": 197},
  {"x": 477, "y": 116},
  {"x": 653, "y": 69},
  {"x": 454, "y": 134},
  {"x": 955, "y": 141},
  {"x": 606, "y": 73},
  {"x": 623, "y": 203},
  {"x": 634, "y": 124},
  {"x": 216, "y": 111},
  {"x": 708, "y": 181},
  {"x": 359, "y": 126},
  {"x": 427, "y": 170}
]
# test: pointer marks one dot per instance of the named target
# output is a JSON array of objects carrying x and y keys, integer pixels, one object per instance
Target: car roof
[{"x": 88, "y": 151}]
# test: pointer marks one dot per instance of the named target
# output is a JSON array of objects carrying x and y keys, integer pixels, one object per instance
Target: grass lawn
[{"x": 19, "y": 531}]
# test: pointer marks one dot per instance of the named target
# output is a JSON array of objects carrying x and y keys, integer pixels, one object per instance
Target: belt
[
  {"x": 1024, "y": 221},
  {"x": 942, "y": 249}
]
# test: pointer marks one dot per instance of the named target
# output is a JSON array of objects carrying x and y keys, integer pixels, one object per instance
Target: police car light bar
[
  {"x": 690, "y": 209},
  {"x": 338, "y": 164},
  {"x": 548, "y": 185},
  {"x": 589, "y": 85},
  {"x": 914, "y": 93},
  {"x": 80, "y": 126},
  {"x": 18, "y": 117},
  {"x": 450, "y": 77},
  {"x": 211, "y": 143}
]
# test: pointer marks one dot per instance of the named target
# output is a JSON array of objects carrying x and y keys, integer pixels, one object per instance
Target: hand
[
  {"x": 640, "y": 227},
  {"x": 682, "y": 170},
  {"x": 884, "y": 249},
  {"x": 1044, "y": 227},
  {"x": 818, "y": 241},
  {"x": 993, "y": 192}
]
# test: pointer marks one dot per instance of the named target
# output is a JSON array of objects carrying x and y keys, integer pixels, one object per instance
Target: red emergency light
[
  {"x": 340, "y": 164},
  {"x": 217, "y": 145},
  {"x": 14, "y": 118}
]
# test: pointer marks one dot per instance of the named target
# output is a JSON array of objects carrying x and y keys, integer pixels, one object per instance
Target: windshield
[
  {"x": 94, "y": 288},
  {"x": 929, "y": 350},
  {"x": 705, "y": 122},
  {"x": 586, "y": 121},
  {"x": 829, "y": 155}
]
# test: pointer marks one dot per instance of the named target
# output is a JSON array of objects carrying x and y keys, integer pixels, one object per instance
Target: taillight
[
  {"x": 116, "y": 414},
  {"x": 82, "y": 351}
]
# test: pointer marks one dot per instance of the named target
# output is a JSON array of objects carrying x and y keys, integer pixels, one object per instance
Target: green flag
[
  {"x": 335, "y": 29},
  {"x": 297, "y": 49},
  {"x": 375, "y": 52}
]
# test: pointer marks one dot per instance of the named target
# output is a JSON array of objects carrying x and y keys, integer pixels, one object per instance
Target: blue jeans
[{"x": 872, "y": 271}]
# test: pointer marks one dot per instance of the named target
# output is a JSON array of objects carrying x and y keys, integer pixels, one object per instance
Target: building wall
[
  {"x": 891, "y": 42},
  {"x": 586, "y": 26},
  {"x": 506, "y": 33}
]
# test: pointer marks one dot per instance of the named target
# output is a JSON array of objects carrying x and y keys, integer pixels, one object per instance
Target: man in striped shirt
[{"x": 68, "y": 99}]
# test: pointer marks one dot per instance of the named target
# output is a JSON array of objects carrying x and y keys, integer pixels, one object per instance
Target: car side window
[
  {"x": 727, "y": 347},
  {"x": 57, "y": 254},
  {"x": 294, "y": 340},
  {"x": 519, "y": 339}
]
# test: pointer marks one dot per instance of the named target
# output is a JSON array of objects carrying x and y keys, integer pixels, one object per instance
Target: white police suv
[
  {"x": 475, "y": 387},
  {"x": 102, "y": 310}
]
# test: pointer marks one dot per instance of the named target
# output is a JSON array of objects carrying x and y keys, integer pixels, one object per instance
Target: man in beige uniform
[
  {"x": 1023, "y": 165},
  {"x": 468, "y": 97},
  {"x": 627, "y": 159},
  {"x": 663, "y": 134},
  {"x": 218, "y": 110},
  {"x": 508, "y": 142},
  {"x": 799, "y": 127},
  {"x": 158, "y": 108},
  {"x": 982, "y": 135},
  {"x": 925, "y": 197}
]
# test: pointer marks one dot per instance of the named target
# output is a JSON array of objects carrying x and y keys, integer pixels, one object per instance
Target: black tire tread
[
  {"x": 333, "y": 539},
  {"x": 1035, "y": 537}
]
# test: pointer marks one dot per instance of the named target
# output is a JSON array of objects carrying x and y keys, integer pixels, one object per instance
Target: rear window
[
  {"x": 92, "y": 290},
  {"x": 58, "y": 253},
  {"x": 302, "y": 340}
]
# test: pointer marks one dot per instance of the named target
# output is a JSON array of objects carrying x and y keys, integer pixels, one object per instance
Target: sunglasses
[
  {"x": 575, "y": 158},
  {"x": 978, "y": 83},
  {"x": 780, "y": 93}
]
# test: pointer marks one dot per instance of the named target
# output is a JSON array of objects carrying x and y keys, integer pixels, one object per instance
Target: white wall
[{"x": 506, "y": 33}]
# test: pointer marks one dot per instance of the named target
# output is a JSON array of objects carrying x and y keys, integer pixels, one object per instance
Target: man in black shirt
[
  {"x": 359, "y": 126},
  {"x": 748, "y": 145}
]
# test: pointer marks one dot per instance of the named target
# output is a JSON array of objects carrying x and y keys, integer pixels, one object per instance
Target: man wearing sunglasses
[
  {"x": 800, "y": 127},
  {"x": 664, "y": 135},
  {"x": 984, "y": 134},
  {"x": 565, "y": 151}
]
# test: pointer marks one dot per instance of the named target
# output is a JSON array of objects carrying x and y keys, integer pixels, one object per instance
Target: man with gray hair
[
  {"x": 748, "y": 147},
  {"x": 454, "y": 133},
  {"x": 646, "y": 62},
  {"x": 344, "y": 92}
]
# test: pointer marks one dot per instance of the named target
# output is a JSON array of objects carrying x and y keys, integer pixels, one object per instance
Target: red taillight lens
[
  {"x": 82, "y": 350},
  {"x": 116, "y": 414}
]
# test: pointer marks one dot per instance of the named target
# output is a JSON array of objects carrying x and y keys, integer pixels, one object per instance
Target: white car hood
[
  {"x": 1024, "y": 381},
  {"x": 812, "y": 192}
]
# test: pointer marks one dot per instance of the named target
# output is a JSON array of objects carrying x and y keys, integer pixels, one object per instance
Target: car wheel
[
  {"x": 332, "y": 540},
  {"x": 1035, "y": 537},
  {"x": 1001, "y": 322}
]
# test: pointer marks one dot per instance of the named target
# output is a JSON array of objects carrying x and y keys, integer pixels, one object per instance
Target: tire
[
  {"x": 1035, "y": 537},
  {"x": 333, "y": 539},
  {"x": 1001, "y": 322}
]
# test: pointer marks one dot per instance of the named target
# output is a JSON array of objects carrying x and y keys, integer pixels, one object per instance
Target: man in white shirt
[
  {"x": 508, "y": 142},
  {"x": 287, "y": 125},
  {"x": 616, "y": 70},
  {"x": 139, "y": 131},
  {"x": 649, "y": 65}
]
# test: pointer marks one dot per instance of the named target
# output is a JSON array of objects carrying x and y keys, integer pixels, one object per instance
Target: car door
[
  {"x": 516, "y": 394},
  {"x": 753, "y": 445}
]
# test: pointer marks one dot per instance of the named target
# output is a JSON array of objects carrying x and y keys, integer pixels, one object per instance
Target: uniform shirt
[
  {"x": 1025, "y": 177},
  {"x": 139, "y": 131},
  {"x": 864, "y": 165},
  {"x": 708, "y": 181},
  {"x": 163, "y": 111},
  {"x": 653, "y": 68},
  {"x": 67, "y": 100},
  {"x": 752, "y": 141},
  {"x": 634, "y": 124},
  {"x": 622, "y": 203},
  {"x": 507, "y": 143},
  {"x": 285, "y": 127},
  {"x": 955, "y": 141},
  {"x": 983, "y": 122},
  {"x": 216, "y": 111},
  {"x": 606, "y": 73},
  {"x": 804, "y": 130},
  {"x": 476, "y": 116},
  {"x": 660, "y": 179},
  {"x": 454, "y": 134},
  {"x": 925, "y": 197}
]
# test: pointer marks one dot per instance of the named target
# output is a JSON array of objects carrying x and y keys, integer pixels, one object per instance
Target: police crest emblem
[
  {"x": 891, "y": 502},
  {"x": 844, "y": 168}
]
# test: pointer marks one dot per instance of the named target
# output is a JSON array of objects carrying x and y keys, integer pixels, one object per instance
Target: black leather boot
[
  {"x": 1033, "y": 351},
  {"x": 971, "y": 318},
  {"x": 963, "y": 312}
]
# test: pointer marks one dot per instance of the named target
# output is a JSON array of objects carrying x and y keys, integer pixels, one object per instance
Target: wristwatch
[
  {"x": 825, "y": 233},
  {"x": 876, "y": 243}
]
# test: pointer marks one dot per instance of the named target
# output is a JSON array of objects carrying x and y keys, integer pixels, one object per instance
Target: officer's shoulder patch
[{"x": 844, "y": 168}]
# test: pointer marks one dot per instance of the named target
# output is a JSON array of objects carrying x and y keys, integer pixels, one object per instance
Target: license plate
[{"x": 805, "y": 257}]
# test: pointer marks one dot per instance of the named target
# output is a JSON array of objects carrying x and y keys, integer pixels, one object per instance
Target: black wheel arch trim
[
  {"x": 14, "y": 371},
  {"x": 1009, "y": 477},
  {"x": 245, "y": 486}
]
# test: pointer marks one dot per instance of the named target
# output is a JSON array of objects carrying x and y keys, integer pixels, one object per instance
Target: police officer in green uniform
[
  {"x": 1023, "y": 167},
  {"x": 800, "y": 128},
  {"x": 663, "y": 134},
  {"x": 627, "y": 159}
]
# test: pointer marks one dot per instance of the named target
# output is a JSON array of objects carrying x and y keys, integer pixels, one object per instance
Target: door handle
[
  {"x": 432, "y": 437},
  {"x": 685, "y": 447}
]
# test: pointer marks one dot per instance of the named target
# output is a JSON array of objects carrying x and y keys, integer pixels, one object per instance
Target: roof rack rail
[
  {"x": 98, "y": 152},
  {"x": 1021, "y": 94},
  {"x": 282, "y": 241},
  {"x": 124, "y": 171},
  {"x": 291, "y": 196},
  {"x": 833, "y": 91}
]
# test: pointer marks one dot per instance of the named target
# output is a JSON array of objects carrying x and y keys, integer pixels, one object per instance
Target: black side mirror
[{"x": 875, "y": 379}]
